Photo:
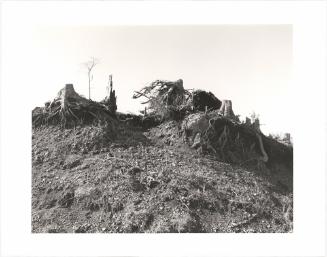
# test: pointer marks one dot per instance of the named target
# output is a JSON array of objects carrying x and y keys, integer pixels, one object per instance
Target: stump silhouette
[
  {"x": 226, "y": 109},
  {"x": 68, "y": 108},
  {"x": 111, "y": 99}
]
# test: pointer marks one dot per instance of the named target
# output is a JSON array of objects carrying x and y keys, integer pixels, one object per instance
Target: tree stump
[
  {"x": 66, "y": 95},
  {"x": 226, "y": 109},
  {"x": 111, "y": 99}
]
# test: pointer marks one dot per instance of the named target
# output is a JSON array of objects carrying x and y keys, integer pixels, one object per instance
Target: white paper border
[{"x": 309, "y": 25}]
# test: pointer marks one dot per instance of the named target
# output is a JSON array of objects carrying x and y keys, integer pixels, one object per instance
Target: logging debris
[{"x": 71, "y": 109}]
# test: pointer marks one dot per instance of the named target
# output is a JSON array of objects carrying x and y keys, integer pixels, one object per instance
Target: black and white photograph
[
  {"x": 153, "y": 128},
  {"x": 165, "y": 129}
]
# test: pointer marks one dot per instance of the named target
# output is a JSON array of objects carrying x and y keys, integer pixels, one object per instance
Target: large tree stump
[
  {"x": 69, "y": 109},
  {"x": 226, "y": 109},
  {"x": 65, "y": 95}
]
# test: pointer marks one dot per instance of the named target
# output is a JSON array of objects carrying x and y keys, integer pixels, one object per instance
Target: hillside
[{"x": 122, "y": 173}]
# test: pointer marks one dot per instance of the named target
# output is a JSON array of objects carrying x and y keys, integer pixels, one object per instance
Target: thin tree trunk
[{"x": 89, "y": 86}]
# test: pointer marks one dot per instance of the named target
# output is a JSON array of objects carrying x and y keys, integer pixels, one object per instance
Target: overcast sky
[{"x": 250, "y": 65}]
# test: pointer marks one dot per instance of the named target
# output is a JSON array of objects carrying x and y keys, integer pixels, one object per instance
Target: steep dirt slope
[{"x": 86, "y": 180}]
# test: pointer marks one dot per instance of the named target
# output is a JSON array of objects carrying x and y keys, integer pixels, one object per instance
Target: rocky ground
[{"x": 86, "y": 181}]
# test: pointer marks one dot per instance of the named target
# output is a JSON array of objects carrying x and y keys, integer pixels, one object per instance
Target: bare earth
[{"x": 85, "y": 182}]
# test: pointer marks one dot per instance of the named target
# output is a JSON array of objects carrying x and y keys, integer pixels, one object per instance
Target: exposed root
[
  {"x": 71, "y": 109},
  {"x": 264, "y": 158},
  {"x": 223, "y": 138}
]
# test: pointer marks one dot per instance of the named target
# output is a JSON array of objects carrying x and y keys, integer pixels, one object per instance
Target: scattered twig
[
  {"x": 245, "y": 222},
  {"x": 119, "y": 159},
  {"x": 180, "y": 199}
]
